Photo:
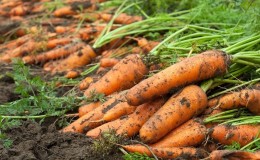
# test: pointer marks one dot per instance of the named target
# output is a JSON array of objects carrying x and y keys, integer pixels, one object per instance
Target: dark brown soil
[{"x": 32, "y": 141}]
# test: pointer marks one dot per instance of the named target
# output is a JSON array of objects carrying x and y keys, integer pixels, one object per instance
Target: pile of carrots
[{"x": 166, "y": 110}]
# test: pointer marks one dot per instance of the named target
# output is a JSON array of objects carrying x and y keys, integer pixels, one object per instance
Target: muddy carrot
[
  {"x": 54, "y": 53},
  {"x": 125, "y": 74},
  {"x": 242, "y": 134},
  {"x": 199, "y": 67},
  {"x": 108, "y": 62},
  {"x": 180, "y": 108},
  {"x": 113, "y": 125},
  {"x": 84, "y": 84},
  {"x": 83, "y": 123},
  {"x": 168, "y": 153},
  {"x": 191, "y": 133},
  {"x": 233, "y": 155},
  {"x": 87, "y": 108},
  {"x": 139, "y": 117}
]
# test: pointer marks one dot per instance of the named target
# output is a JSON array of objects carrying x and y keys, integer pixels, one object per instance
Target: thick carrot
[
  {"x": 233, "y": 155},
  {"x": 125, "y": 74},
  {"x": 77, "y": 59},
  {"x": 84, "y": 84},
  {"x": 242, "y": 134},
  {"x": 83, "y": 123},
  {"x": 54, "y": 53},
  {"x": 249, "y": 98},
  {"x": 199, "y": 67},
  {"x": 169, "y": 153},
  {"x": 113, "y": 125},
  {"x": 87, "y": 108},
  {"x": 191, "y": 133},
  {"x": 139, "y": 117},
  {"x": 181, "y": 107},
  {"x": 108, "y": 62}
]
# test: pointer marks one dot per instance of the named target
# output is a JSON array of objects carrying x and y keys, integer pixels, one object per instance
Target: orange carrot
[
  {"x": 108, "y": 62},
  {"x": 54, "y": 54},
  {"x": 122, "y": 18},
  {"x": 84, "y": 123},
  {"x": 168, "y": 153},
  {"x": 139, "y": 117},
  {"x": 233, "y": 155},
  {"x": 72, "y": 74},
  {"x": 191, "y": 133},
  {"x": 242, "y": 134},
  {"x": 180, "y": 108},
  {"x": 64, "y": 11},
  {"x": 77, "y": 59},
  {"x": 88, "y": 107},
  {"x": 20, "y": 10},
  {"x": 84, "y": 84},
  {"x": 56, "y": 42},
  {"x": 113, "y": 125},
  {"x": 249, "y": 98},
  {"x": 90, "y": 32},
  {"x": 146, "y": 45},
  {"x": 199, "y": 67},
  {"x": 125, "y": 74}
]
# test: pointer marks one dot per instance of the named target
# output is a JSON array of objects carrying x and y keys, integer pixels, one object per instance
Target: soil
[{"x": 32, "y": 141}]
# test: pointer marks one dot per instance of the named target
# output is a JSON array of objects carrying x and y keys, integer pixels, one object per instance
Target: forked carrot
[
  {"x": 181, "y": 107},
  {"x": 191, "y": 133},
  {"x": 87, "y": 108},
  {"x": 233, "y": 155},
  {"x": 125, "y": 74},
  {"x": 83, "y": 123},
  {"x": 242, "y": 134},
  {"x": 199, "y": 67},
  {"x": 168, "y": 153},
  {"x": 113, "y": 125},
  {"x": 139, "y": 117}
]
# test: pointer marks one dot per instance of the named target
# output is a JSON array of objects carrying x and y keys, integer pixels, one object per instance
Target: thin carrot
[
  {"x": 113, "y": 125},
  {"x": 242, "y": 134},
  {"x": 84, "y": 84},
  {"x": 139, "y": 117},
  {"x": 108, "y": 62},
  {"x": 233, "y": 155},
  {"x": 59, "y": 41},
  {"x": 87, "y": 108},
  {"x": 168, "y": 153},
  {"x": 180, "y": 108},
  {"x": 125, "y": 74},
  {"x": 72, "y": 74},
  {"x": 249, "y": 98},
  {"x": 83, "y": 123},
  {"x": 54, "y": 54},
  {"x": 199, "y": 67}
]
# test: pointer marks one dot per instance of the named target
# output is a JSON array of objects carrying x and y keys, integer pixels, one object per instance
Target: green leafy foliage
[
  {"x": 94, "y": 97},
  {"x": 136, "y": 156}
]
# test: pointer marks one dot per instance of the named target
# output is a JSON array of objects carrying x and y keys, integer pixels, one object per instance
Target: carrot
[
  {"x": 84, "y": 84},
  {"x": 54, "y": 54},
  {"x": 77, "y": 59},
  {"x": 84, "y": 123},
  {"x": 87, "y": 108},
  {"x": 72, "y": 74},
  {"x": 146, "y": 45},
  {"x": 108, "y": 62},
  {"x": 139, "y": 117},
  {"x": 59, "y": 41},
  {"x": 15, "y": 43},
  {"x": 64, "y": 11},
  {"x": 242, "y": 134},
  {"x": 90, "y": 32},
  {"x": 169, "y": 153},
  {"x": 249, "y": 98},
  {"x": 122, "y": 18},
  {"x": 125, "y": 74},
  {"x": 20, "y": 10},
  {"x": 113, "y": 125},
  {"x": 199, "y": 67},
  {"x": 191, "y": 133},
  {"x": 233, "y": 155},
  {"x": 180, "y": 108}
]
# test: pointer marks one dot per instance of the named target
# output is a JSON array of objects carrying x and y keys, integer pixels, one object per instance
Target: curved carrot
[
  {"x": 139, "y": 117},
  {"x": 191, "y": 133},
  {"x": 233, "y": 155},
  {"x": 87, "y": 108},
  {"x": 113, "y": 125},
  {"x": 180, "y": 108},
  {"x": 190, "y": 70},
  {"x": 242, "y": 134},
  {"x": 125, "y": 74},
  {"x": 169, "y": 153}
]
